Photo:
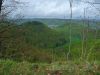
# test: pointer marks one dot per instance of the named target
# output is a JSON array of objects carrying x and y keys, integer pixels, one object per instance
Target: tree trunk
[{"x": 1, "y": 2}]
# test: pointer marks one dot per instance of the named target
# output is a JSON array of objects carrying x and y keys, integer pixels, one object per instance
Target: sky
[{"x": 56, "y": 9}]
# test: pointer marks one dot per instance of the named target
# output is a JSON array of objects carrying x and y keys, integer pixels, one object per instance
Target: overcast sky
[{"x": 56, "y": 9}]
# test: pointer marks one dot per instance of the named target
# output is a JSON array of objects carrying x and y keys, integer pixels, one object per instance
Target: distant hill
[
  {"x": 49, "y": 22},
  {"x": 58, "y": 22}
]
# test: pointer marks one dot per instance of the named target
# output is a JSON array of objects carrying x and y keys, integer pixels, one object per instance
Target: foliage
[
  {"x": 36, "y": 42},
  {"x": 8, "y": 67}
]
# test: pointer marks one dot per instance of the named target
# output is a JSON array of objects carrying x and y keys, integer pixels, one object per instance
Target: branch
[{"x": 92, "y": 4}]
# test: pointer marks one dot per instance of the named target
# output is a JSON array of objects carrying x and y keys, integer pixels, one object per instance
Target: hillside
[
  {"x": 83, "y": 36},
  {"x": 35, "y": 41},
  {"x": 30, "y": 41}
]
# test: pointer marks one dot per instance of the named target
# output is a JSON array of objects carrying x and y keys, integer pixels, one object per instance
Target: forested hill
[
  {"x": 29, "y": 41},
  {"x": 35, "y": 41}
]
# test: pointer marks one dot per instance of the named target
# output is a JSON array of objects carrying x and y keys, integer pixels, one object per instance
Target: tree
[
  {"x": 1, "y": 2},
  {"x": 70, "y": 30},
  {"x": 4, "y": 11},
  {"x": 8, "y": 7}
]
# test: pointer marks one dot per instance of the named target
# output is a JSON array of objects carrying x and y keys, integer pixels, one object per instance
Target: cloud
[{"x": 55, "y": 8}]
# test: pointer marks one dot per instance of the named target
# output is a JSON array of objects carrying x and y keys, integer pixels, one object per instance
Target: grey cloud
[
  {"x": 55, "y": 8},
  {"x": 97, "y": 0}
]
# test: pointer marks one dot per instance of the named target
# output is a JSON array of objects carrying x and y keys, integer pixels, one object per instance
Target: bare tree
[
  {"x": 70, "y": 30},
  {"x": 7, "y": 7}
]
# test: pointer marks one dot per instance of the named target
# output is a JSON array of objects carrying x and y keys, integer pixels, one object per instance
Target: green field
[{"x": 33, "y": 46}]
